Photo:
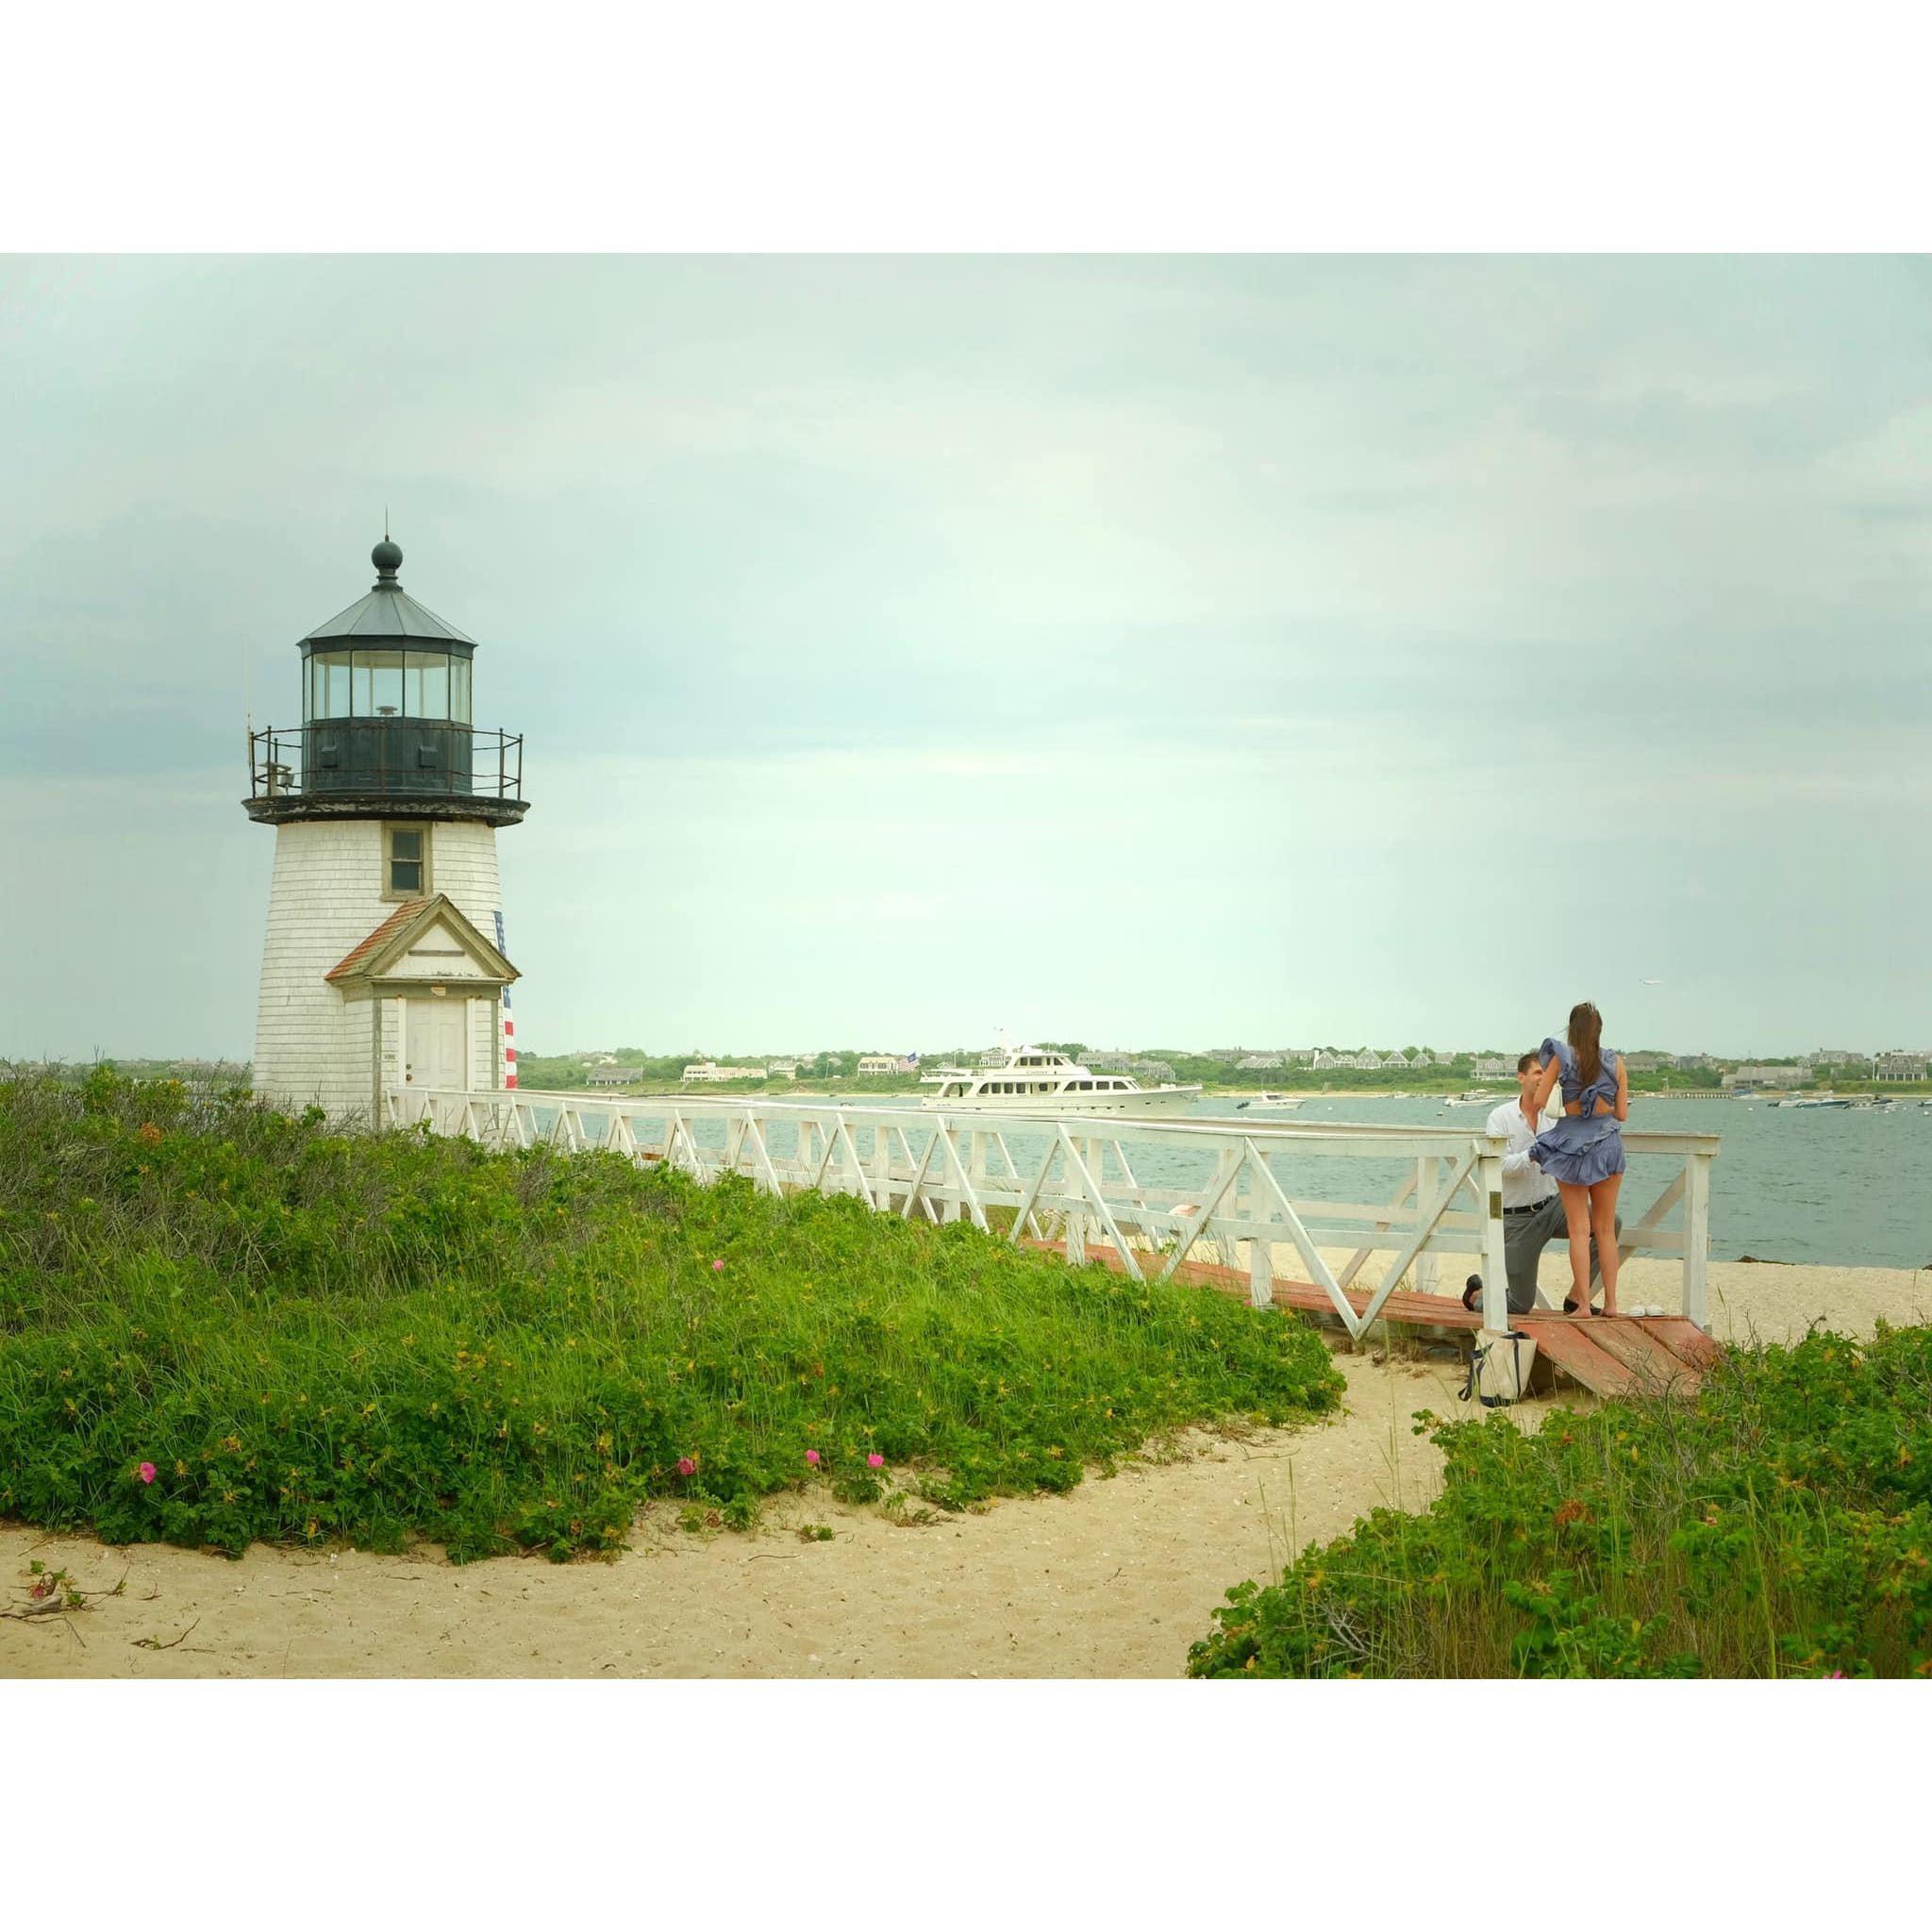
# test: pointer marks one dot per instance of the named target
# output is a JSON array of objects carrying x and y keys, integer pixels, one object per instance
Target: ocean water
[{"x": 1849, "y": 1187}]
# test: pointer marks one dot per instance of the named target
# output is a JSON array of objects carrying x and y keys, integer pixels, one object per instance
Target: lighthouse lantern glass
[
  {"x": 386, "y": 684},
  {"x": 385, "y": 681},
  {"x": 328, "y": 692}
]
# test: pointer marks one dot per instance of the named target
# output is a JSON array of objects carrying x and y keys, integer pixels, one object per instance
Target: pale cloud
[
  {"x": 1894, "y": 459},
  {"x": 1135, "y": 649}
]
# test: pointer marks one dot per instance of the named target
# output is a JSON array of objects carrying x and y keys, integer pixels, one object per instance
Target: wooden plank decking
[{"x": 1622, "y": 1355}]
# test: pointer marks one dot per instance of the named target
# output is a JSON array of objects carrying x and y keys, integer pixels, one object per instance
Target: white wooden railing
[{"x": 1199, "y": 1180}]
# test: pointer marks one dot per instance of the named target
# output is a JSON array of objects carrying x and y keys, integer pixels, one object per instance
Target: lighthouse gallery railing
[{"x": 384, "y": 757}]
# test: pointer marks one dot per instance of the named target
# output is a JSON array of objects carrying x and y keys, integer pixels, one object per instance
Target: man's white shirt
[{"x": 1524, "y": 1183}]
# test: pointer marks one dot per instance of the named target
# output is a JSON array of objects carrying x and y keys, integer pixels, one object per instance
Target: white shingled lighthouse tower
[{"x": 384, "y": 966}]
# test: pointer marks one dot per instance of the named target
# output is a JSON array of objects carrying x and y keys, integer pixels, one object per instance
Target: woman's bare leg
[
  {"x": 1576, "y": 1213},
  {"x": 1603, "y": 1223}
]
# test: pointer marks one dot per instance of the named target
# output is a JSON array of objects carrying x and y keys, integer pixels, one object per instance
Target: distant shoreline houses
[
  {"x": 1771, "y": 1074},
  {"x": 1238, "y": 1064},
  {"x": 1895, "y": 1066},
  {"x": 1233, "y": 1066},
  {"x": 1899, "y": 1066}
]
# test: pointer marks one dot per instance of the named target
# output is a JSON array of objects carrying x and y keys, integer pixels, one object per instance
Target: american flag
[{"x": 510, "y": 1025}]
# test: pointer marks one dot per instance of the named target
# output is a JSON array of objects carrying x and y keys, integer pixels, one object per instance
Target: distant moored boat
[{"x": 1035, "y": 1079}]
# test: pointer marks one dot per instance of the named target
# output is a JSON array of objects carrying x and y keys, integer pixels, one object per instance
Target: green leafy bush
[
  {"x": 219, "y": 1324},
  {"x": 1779, "y": 1525}
]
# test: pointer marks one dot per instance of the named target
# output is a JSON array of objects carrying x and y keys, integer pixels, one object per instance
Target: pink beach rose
[
  {"x": 718, "y": 1265},
  {"x": 875, "y": 1461},
  {"x": 146, "y": 1471},
  {"x": 687, "y": 1465},
  {"x": 811, "y": 1456}
]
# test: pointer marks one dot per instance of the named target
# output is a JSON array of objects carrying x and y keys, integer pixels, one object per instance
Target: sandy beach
[
  {"x": 1761, "y": 1301},
  {"x": 1112, "y": 1581}
]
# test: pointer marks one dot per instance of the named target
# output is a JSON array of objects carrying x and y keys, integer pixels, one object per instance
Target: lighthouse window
[
  {"x": 426, "y": 686},
  {"x": 328, "y": 673},
  {"x": 384, "y": 688},
  {"x": 459, "y": 690},
  {"x": 406, "y": 861}
]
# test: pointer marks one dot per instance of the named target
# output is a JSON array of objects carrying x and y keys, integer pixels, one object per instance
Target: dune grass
[
  {"x": 1781, "y": 1524},
  {"x": 218, "y": 1325}
]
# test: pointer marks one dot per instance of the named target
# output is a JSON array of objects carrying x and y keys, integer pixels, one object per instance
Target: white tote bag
[{"x": 1499, "y": 1369}]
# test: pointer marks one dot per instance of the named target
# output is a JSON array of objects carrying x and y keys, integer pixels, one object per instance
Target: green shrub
[
  {"x": 1779, "y": 1525},
  {"x": 306, "y": 1335}
]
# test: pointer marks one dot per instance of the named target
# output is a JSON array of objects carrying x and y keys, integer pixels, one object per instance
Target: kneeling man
[{"x": 1532, "y": 1206}]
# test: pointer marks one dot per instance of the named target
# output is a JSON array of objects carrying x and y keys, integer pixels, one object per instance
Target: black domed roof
[{"x": 386, "y": 611}]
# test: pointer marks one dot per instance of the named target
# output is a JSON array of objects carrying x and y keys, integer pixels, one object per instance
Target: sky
[{"x": 1156, "y": 651}]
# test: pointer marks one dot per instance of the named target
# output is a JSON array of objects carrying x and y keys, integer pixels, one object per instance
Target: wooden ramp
[
  {"x": 1621, "y": 1355},
  {"x": 1650, "y": 1355}
]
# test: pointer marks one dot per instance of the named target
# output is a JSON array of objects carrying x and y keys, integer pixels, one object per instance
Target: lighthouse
[{"x": 384, "y": 965}]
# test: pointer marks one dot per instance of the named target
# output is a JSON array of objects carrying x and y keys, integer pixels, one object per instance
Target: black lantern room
[{"x": 387, "y": 728}]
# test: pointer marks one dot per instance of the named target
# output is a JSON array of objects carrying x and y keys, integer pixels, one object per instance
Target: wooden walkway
[{"x": 1620, "y": 1355}]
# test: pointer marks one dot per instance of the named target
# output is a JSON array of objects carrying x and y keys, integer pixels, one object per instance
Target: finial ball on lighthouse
[{"x": 387, "y": 556}]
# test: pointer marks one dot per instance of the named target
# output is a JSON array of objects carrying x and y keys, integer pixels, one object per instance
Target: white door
[{"x": 438, "y": 1043}]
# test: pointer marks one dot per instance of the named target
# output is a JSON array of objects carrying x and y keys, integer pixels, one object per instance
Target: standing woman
[{"x": 1583, "y": 1150}]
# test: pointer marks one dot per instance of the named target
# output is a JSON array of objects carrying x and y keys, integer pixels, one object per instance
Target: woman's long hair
[{"x": 1587, "y": 1040}]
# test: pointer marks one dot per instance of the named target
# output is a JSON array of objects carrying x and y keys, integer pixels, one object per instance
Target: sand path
[{"x": 1114, "y": 1579}]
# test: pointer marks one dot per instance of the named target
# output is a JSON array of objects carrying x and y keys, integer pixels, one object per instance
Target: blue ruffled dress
[{"x": 1578, "y": 1148}]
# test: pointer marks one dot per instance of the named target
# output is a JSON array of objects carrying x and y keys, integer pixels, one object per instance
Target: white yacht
[
  {"x": 1275, "y": 1103},
  {"x": 1035, "y": 1079},
  {"x": 1477, "y": 1096}
]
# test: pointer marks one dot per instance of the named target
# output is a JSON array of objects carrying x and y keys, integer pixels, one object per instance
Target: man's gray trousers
[{"x": 1525, "y": 1237}]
